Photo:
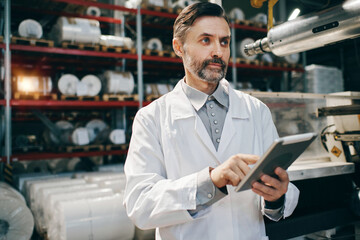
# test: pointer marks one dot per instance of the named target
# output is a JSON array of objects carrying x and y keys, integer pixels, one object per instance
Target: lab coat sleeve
[
  {"x": 269, "y": 135},
  {"x": 152, "y": 200}
]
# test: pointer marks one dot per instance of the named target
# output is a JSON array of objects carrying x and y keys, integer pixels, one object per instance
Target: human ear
[{"x": 177, "y": 46}]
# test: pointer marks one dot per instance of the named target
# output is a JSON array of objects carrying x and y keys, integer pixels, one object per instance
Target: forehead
[{"x": 210, "y": 25}]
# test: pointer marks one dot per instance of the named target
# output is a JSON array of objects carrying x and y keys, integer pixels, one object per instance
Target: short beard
[
  {"x": 208, "y": 75},
  {"x": 200, "y": 69}
]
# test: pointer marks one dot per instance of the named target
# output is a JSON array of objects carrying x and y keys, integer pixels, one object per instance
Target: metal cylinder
[{"x": 311, "y": 31}]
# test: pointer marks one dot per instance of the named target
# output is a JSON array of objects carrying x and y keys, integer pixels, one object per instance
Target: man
[{"x": 191, "y": 147}]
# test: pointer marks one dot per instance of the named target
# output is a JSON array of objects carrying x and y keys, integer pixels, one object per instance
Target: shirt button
[
  {"x": 218, "y": 140},
  {"x": 217, "y": 130},
  {"x": 215, "y": 122},
  {"x": 213, "y": 114},
  {"x": 209, "y": 195},
  {"x": 211, "y": 106}
]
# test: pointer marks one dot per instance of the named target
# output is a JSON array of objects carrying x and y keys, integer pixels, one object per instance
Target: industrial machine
[{"x": 309, "y": 31}]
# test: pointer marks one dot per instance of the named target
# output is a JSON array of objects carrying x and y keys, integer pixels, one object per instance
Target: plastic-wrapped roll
[
  {"x": 153, "y": 44},
  {"x": 119, "y": 82},
  {"x": 65, "y": 127},
  {"x": 43, "y": 201},
  {"x": 118, "y": 168},
  {"x": 93, "y": 84},
  {"x": 117, "y": 185},
  {"x": 292, "y": 58},
  {"x": 67, "y": 84},
  {"x": 37, "y": 166},
  {"x": 240, "y": 48},
  {"x": 117, "y": 136},
  {"x": 237, "y": 14},
  {"x": 182, "y": 3},
  {"x": 104, "y": 177},
  {"x": 95, "y": 127},
  {"x": 80, "y": 136},
  {"x": 76, "y": 30},
  {"x": 260, "y": 18},
  {"x": 16, "y": 220},
  {"x": 36, "y": 186},
  {"x": 100, "y": 218},
  {"x": 7, "y": 190},
  {"x": 30, "y": 28},
  {"x": 116, "y": 41},
  {"x": 93, "y": 11},
  {"x": 158, "y": 3}
]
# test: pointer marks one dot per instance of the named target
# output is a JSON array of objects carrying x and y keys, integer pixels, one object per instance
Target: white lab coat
[{"x": 170, "y": 145}]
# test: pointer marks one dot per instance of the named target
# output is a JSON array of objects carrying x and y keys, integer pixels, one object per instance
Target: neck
[{"x": 199, "y": 84}]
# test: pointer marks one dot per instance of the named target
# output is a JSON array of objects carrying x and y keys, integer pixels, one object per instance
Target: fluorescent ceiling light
[{"x": 294, "y": 14}]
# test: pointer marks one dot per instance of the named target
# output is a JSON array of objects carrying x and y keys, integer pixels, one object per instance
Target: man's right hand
[{"x": 233, "y": 170}]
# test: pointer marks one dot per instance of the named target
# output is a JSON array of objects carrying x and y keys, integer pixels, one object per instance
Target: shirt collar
[{"x": 198, "y": 98}]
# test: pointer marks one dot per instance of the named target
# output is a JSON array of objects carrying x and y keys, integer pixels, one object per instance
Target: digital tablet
[{"x": 282, "y": 153}]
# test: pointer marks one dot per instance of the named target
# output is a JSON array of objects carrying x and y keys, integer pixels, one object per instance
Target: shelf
[
  {"x": 72, "y": 104},
  {"x": 2, "y": 102},
  {"x": 48, "y": 155},
  {"x": 66, "y": 51},
  {"x": 66, "y": 14}
]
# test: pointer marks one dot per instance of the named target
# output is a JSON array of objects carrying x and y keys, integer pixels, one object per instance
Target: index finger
[
  {"x": 282, "y": 174},
  {"x": 248, "y": 158}
]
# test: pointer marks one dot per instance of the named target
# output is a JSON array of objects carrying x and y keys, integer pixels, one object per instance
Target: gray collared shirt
[{"x": 211, "y": 109}]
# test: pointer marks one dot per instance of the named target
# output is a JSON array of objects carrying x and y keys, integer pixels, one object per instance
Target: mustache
[{"x": 215, "y": 60}]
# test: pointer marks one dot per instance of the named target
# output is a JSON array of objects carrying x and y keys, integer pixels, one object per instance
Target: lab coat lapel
[
  {"x": 182, "y": 109},
  {"x": 237, "y": 110}
]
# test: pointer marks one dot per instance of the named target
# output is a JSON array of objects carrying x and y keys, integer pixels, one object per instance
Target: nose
[{"x": 217, "y": 50}]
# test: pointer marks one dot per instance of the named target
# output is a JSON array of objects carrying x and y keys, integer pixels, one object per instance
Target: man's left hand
[{"x": 271, "y": 189}]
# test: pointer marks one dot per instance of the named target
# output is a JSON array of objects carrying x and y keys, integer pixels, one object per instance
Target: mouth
[{"x": 217, "y": 65}]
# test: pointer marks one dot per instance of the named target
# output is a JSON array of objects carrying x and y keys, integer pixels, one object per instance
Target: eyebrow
[{"x": 210, "y": 35}]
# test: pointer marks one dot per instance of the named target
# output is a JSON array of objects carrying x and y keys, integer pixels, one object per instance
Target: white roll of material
[
  {"x": 104, "y": 177},
  {"x": 117, "y": 136},
  {"x": 36, "y": 186},
  {"x": 7, "y": 190},
  {"x": 237, "y": 14},
  {"x": 153, "y": 44},
  {"x": 72, "y": 164},
  {"x": 117, "y": 185},
  {"x": 97, "y": 219},
  {"x": 93, "y": 85},
  {"x": 292, "y": 58},
  {"x": 47, "y": 195},
  {"x": 78, "y": 30},
  {"x": 119, "y": 82},
  {"x": 240, "y": 48},
  {"x": 260, "y": 18},
  {"x": 94, "y": 127},
  {"x": 67, "y": 84},
  {"x": 93, "y": 11},
  {"x": 57, "y": 165},
  {"x": 63, "y": 126},
  {"x": 52, "y": 210},
  {"x": 116, "y": 41},
  {"x": 30, "y": 28},
  {"x": 16, "y": 219},
  {"x": 80, "y": 136}
]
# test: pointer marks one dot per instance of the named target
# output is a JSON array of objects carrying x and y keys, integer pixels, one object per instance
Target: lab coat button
[{"x": 209, "y": 195}]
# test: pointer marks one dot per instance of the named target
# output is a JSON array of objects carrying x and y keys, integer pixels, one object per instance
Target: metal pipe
[
  {"x": 7, "y": 83},
  {"x": 311, "y": 31},
  {"x": 139, "y": 55}
]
